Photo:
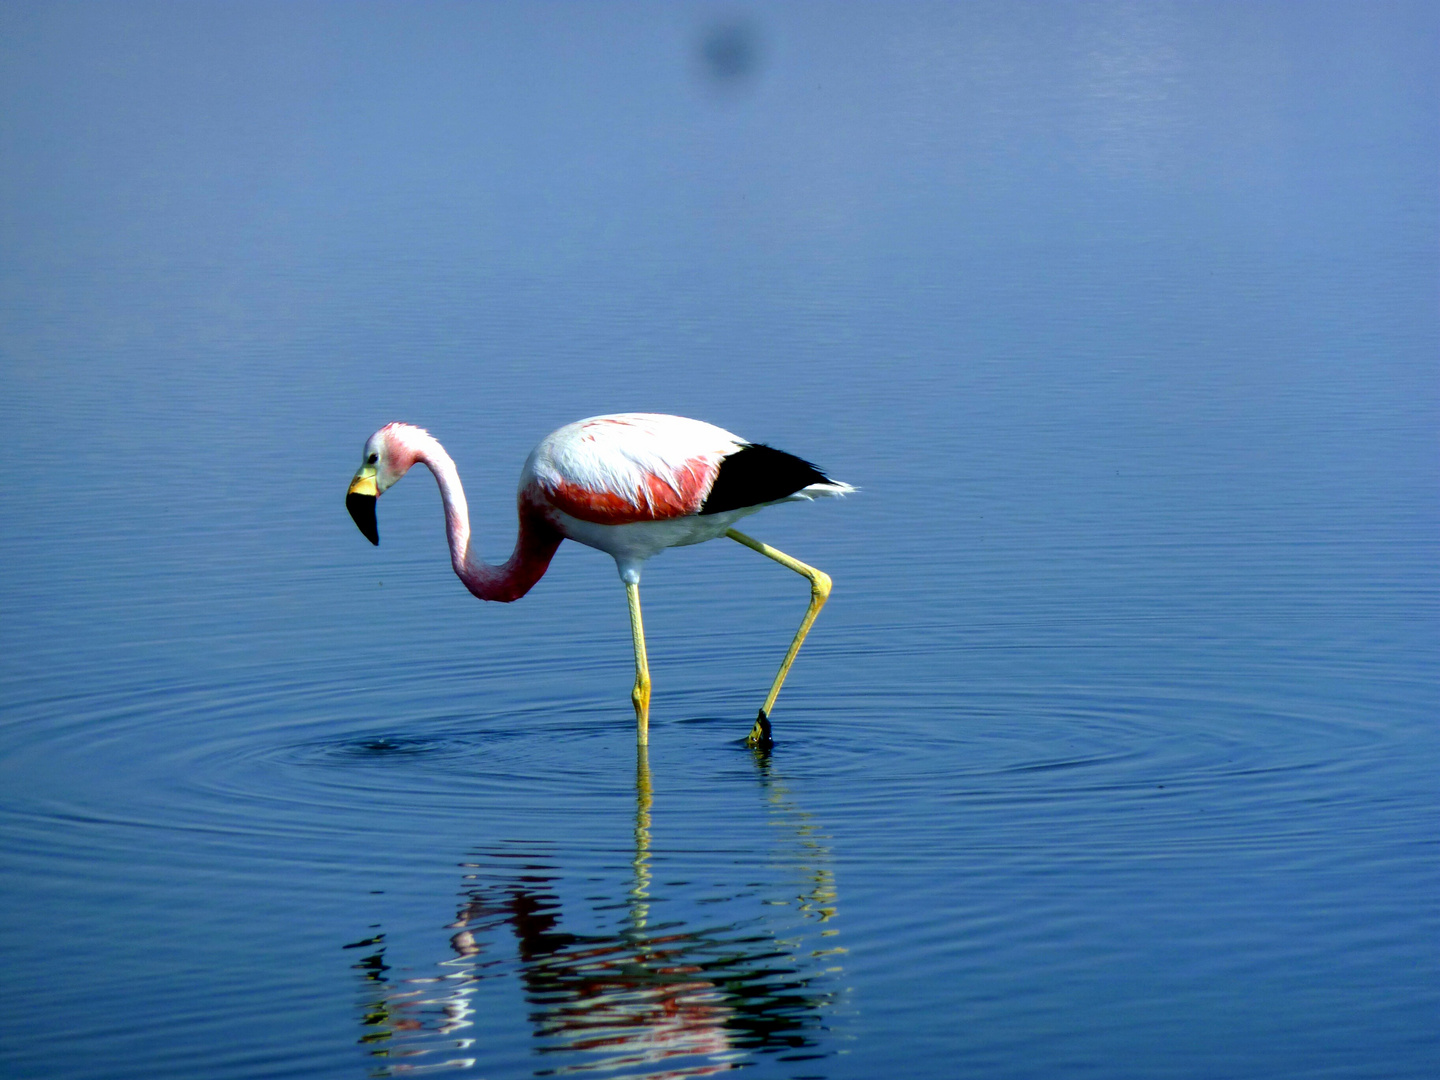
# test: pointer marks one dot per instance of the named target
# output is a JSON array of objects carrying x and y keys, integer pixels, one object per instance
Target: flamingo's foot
[
  {"x": 640, "y": 697},
  {"x": 759, "y": 737}
]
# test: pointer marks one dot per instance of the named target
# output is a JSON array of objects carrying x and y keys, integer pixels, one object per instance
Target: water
[{"x": 1114, "y": 753}]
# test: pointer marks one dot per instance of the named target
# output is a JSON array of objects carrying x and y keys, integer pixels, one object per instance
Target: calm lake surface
[{"x": 1115, "y": 753}]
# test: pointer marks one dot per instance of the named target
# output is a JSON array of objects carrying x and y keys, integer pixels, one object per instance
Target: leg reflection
[
  {"x": 650, "y": 997},
  {"x": 640, "y": 890}
]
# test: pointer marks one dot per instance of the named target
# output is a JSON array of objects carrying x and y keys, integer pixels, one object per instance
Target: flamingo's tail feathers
[
  {"x": 830, "y": 488},
  {"x": 757, "y": 475}
]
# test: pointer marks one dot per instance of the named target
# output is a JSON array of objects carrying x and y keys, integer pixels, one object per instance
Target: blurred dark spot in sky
[{"x": 730, "y": 53}]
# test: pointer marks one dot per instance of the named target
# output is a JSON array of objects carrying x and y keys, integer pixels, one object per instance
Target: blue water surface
[{"x": 1115, "y": 752}]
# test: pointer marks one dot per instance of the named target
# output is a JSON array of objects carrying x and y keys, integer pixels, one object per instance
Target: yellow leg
[
  {"x": 819, "y": 592},
  {"x": 641, "y": 694}
]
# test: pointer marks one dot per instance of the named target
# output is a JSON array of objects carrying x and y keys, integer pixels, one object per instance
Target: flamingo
[{"x": 629, "y": 484}]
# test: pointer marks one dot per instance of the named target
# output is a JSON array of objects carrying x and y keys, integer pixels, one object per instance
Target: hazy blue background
[{"x": 1115, "y": 752}]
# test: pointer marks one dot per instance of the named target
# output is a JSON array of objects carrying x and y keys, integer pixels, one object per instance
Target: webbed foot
[{"x": 759, "y": 737}]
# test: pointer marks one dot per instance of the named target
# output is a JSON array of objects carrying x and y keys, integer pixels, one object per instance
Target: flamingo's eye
[{"x": 372, "y": 459}]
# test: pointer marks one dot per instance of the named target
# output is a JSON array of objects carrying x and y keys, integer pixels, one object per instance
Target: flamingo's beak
[{"x": 360, "y": 501}]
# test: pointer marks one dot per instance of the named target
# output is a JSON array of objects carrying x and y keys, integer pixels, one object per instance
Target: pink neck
[{"x": 534, "y": 547}]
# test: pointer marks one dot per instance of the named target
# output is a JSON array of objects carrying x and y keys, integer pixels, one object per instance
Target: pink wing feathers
[{"x": 628, "y": 467}]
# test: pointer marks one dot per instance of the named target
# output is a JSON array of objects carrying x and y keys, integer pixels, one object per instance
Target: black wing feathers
[{"x": 757, "y": 474}]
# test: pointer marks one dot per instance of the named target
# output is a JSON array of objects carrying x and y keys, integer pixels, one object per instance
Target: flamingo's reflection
[{"x": 662, "y": 1001}]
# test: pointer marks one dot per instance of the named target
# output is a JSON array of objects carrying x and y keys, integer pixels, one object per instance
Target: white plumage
[{"x": 621, "y": 452}]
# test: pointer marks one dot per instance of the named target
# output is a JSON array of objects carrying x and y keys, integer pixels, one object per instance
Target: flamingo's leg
[
  {"x": 819, "y": 592},
  {"x": 640, "y": 695}
]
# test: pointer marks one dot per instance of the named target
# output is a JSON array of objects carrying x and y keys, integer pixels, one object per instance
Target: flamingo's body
[{"x": 629, "y": 484}]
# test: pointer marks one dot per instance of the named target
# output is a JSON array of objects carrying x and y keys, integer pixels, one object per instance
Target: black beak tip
[{"x": 362, "y": 510}]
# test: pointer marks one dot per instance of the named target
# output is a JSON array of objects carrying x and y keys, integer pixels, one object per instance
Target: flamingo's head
[{"x": 387, "y": 457}]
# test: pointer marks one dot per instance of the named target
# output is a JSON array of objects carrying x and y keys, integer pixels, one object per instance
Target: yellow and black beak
[{"x": 360, "y": 501}]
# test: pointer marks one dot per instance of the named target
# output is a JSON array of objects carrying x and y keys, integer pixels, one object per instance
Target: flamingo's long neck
[{"x": 534, "y": 547}]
